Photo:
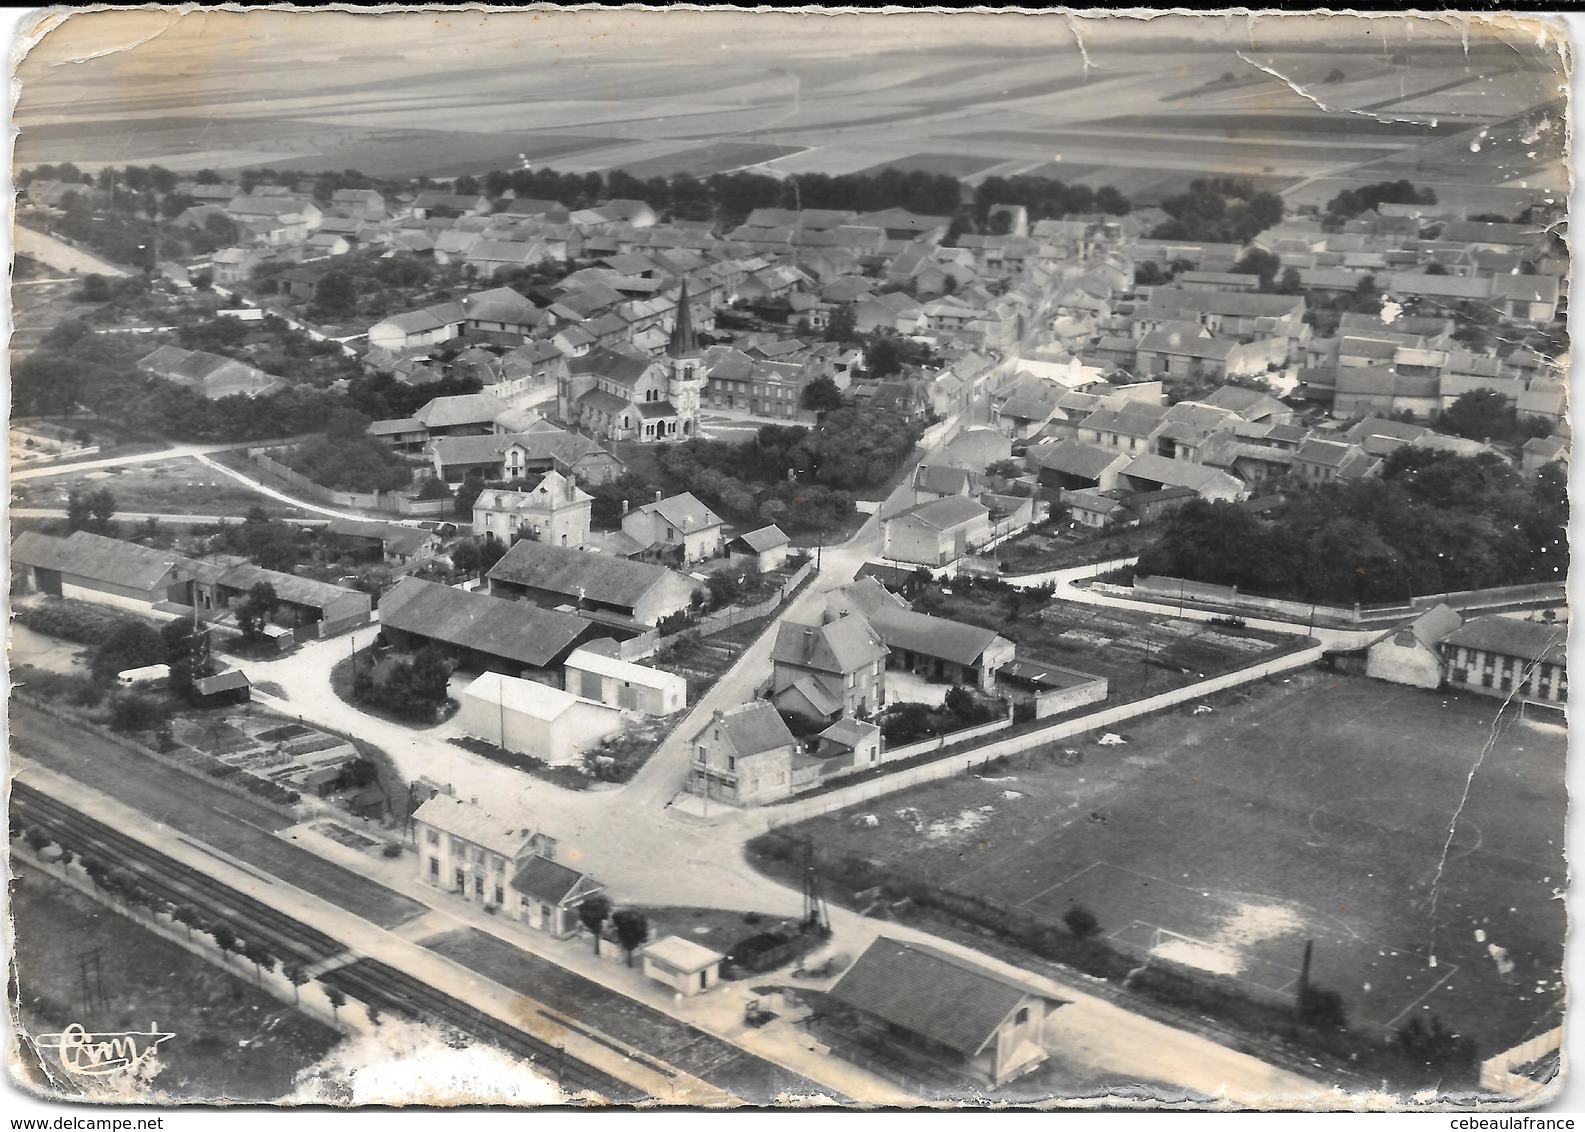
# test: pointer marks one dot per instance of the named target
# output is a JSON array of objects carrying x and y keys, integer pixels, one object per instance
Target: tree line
[{"x": 1433, "y": 523}]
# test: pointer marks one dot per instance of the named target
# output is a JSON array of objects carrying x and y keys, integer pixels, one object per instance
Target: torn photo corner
[{"x": 802, "y": 558}]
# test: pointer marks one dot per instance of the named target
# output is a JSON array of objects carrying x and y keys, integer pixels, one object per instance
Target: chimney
[
  {"x": 624, "y": 507},
  {"x": 657, "y": 495}
]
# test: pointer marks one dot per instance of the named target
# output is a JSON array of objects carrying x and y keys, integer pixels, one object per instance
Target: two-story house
[
  {"x": 680, "y": 529},
  {"x": 555, "y": 510},
  {"x": 744, "y": 756},
  {"x": 829, "y": 671},
  {"x": 468, "y": 850}
]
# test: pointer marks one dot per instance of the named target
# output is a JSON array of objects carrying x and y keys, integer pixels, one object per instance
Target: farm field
[
  {"x": 842, "y": 100},
  {"x": 178, "y": 486},
  {"x": 1312, "y": 808}
]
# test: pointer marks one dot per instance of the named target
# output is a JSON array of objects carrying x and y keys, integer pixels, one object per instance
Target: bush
[
  {"x": 1081, "y": 922},
  {"x": 134, "y": 712},
  {"x": 76, "y": 621}
]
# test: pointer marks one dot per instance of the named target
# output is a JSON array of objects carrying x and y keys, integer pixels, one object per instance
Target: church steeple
[{"x": 683, "y": 344}]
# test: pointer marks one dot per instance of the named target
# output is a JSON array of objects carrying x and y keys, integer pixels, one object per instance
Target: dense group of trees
[
  {"x": 1044, "y": 198},
  {"x": 796, "y": 477},
  {"x": 1483, "y": 414},
  {"x": 349, "y": 463},
  {"x": 1351, "y": 202},
  {"x": 1432, "y": 523},
  {"x": 1222, "y": 210},
  {"x": 412, "y": 687},
  {"x": 267, "y": 542}
]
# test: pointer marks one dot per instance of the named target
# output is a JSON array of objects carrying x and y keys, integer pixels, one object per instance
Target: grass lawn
[
  {"x": 233, "y": 1042},
  {"x": 1313, "y": 808}
]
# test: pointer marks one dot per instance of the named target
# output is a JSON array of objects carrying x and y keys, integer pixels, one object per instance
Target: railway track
[{"x": 389, "y": 990}]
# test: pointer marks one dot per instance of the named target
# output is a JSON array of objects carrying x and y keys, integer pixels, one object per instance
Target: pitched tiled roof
[
  {"x": 564, "y": 570},
  {"x": 1508, "y": 636},
  {"x": 464, "y": 409},
  {"x": 474, "y": 824},
  {"x": 546, "y": 880},
  {"x": 763, "y": 539},
  {"x": 1073, "y": 458},
  {"x": 956, "y": 641},
  {"x": 844, "y": 645},
  {"x": 512, "y": 630},
  {"x": 684, "y": 511},
  {"x": 752, "y": 728},
  {"x": 93, "y": 556},
  {"x": 946, "y": 513},
  {"x": 937, "y": 996}
]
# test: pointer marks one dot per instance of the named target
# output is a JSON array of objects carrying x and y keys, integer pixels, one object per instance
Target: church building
[{"x": 622, "y": 395}]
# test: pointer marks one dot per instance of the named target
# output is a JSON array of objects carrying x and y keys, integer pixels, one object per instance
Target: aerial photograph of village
[{"x": 787, "y": 559}]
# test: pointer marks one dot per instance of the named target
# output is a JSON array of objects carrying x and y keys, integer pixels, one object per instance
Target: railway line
[{"x": 377, "y": 984}]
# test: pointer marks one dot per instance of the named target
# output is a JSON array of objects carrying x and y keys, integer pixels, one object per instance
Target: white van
[{"x": 149, "y": 676}]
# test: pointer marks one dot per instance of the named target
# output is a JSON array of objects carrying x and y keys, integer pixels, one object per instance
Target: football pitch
[{"x": 1414, "y": 838}]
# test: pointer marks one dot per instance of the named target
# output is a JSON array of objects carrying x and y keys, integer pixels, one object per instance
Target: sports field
[{"x": 1315, "y": 808}]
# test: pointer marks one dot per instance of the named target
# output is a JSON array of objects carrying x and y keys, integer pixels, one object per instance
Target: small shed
[
  {"x": 623, "y": 684},
  {"x": 766, "y": 547},
  {"x": 685, "y": 966},
  {"x": 322, "y": 783},
  {"x": 231, "y": 687}
]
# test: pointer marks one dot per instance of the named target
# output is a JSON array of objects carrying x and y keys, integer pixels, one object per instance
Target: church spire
[{"x": 682, "y": 344}]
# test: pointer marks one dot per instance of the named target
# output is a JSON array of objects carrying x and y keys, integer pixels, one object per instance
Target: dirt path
[{"x": 61, "y": 255}]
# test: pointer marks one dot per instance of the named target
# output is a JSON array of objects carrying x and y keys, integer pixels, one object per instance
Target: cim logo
[{"x": 97, "y": 1055}]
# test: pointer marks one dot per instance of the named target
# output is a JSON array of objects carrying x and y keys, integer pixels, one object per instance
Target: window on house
[
  {"x": 500, "y": 895},
  {"x": 434, "y": 868},
  {"x": 432, "y": 836},
  {"x": 731, "y": 762},
  {"x": 1022, "y": 1016}
]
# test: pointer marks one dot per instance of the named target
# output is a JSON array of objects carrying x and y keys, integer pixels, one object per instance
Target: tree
[
  {"x": 133, "y": 712},
  {"x": 1436, "y": 1054},
  {"x": 260, "y": 956},
  {"x": 225, "y": 936},
  {"x": 1335, "y": 75},
  {"x": 476, "y": 556},
  {"x": 1480, "y": 414},
  {"x": 1149, "y": 274},
  {"x": 95, "y": 289},
  {"x": 1259, "y": 262},
  {"x": 337, "y": 999},
  {"x": 254, "y": 611},
  {"x": 297, "y": 977},
  {"x": 127, "y": 644},
  {"x": 822, "y": 395},
  {"x": 335, "y": 295},
  {"x": 1081, "y": 922},
  {"x": 90, "y": 510},
  {"x": 841, "y": 327},
  {"x": 593, "y": 912},
  {"x": 632, "y": 929}
]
